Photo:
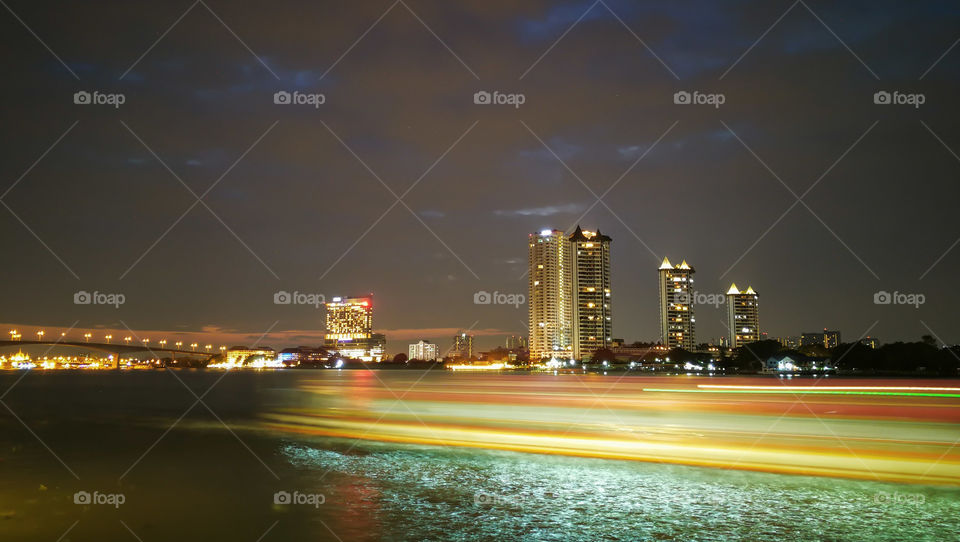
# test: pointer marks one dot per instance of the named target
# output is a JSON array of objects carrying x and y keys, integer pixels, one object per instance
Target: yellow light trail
[{"x": 898, "y": 433}]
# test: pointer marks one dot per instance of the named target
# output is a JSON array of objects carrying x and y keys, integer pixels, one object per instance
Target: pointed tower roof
[
  {"x": 666, "y": 264},
  {"x": 684, "y": 265},
  {"x": 733, "y": 289},
  {"x": 750, "y": 291}
]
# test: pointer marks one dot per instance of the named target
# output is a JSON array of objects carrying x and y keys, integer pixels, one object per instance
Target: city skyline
[
  {"x": 671, "y": 174},
  {"x": 480, "y": 270}
]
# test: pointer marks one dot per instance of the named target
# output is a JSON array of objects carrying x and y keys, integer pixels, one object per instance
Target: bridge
[{"x": 110, "y": 348}]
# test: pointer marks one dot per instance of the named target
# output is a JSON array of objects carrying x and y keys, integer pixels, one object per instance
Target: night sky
[{"x": 294, "y": 196}]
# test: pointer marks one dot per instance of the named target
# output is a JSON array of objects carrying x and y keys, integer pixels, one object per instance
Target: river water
[{"x": 155, "y": 469}]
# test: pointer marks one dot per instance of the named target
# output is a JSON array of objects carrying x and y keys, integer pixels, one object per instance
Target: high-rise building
[
  {"x": 423, "y": 350},
  {"x": 550, "y": 302},
  {"x": 592, "y": 321},
  {"x": 516, "y": 342},
  {"x": 350, "y": 329},
  {"x": 462, "y": 346},
  {"x": 743, "y": 316},
  {"x": 677, "y": 322}
]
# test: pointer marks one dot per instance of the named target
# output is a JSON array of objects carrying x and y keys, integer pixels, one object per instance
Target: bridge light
[
  {"x": 40, "y": 335},
  {"x": 86, "y": 337},
  {"x": 127, "y": 339},
  {"x": 108, "y": 337}
]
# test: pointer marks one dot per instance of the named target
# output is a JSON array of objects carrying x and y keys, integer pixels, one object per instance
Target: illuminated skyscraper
[
  {"x": 743, "y": 316},
  {"x": 677, "y": 323},
  {"x": 350, "y": 328},
  {"x": 462, "y": 346},
  {"x": 592, "y": 323},
  {"x": 550, "y": 302}
]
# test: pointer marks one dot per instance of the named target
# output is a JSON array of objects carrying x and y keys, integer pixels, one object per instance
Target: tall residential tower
[
  {"x": 592, "y": 323},
  {"x": 743, "y": 315},
  {"x": 550, "y": 302},
  {"x": 677, "y": 323}
]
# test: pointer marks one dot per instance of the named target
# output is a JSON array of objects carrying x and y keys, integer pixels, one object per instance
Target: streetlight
[
  {"x": 208, "y": 347},
  {"x": 108, "y": 337},
  {"x": 40, "y": 335},
  {"x": 86, "y": 337},
  {"x": 127, "y": 339},
  {"x": 193, "y": 346},
  {"x": 179, "y": 344},
  {"x": 13, "y": 334},
  {"x": 163, "y": 343}
]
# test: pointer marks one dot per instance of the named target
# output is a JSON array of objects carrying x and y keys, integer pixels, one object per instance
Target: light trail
[
  {"x": 828, "y": 387},
  {"x": 901, "y": 433},
  {"x": 806, "y": 391}
]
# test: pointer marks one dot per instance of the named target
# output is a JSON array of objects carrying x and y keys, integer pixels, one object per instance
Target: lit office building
[
  {"x": 550, "y": 302},
  {"x": 350, "y": 329},
  {"x": 592, "y": 322},
  {"x": 462, "y": 346},
  {"x": 423, "y": 350},
  {"x": 677, "y": 322},
  {"x": 743, "y": 316}
]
